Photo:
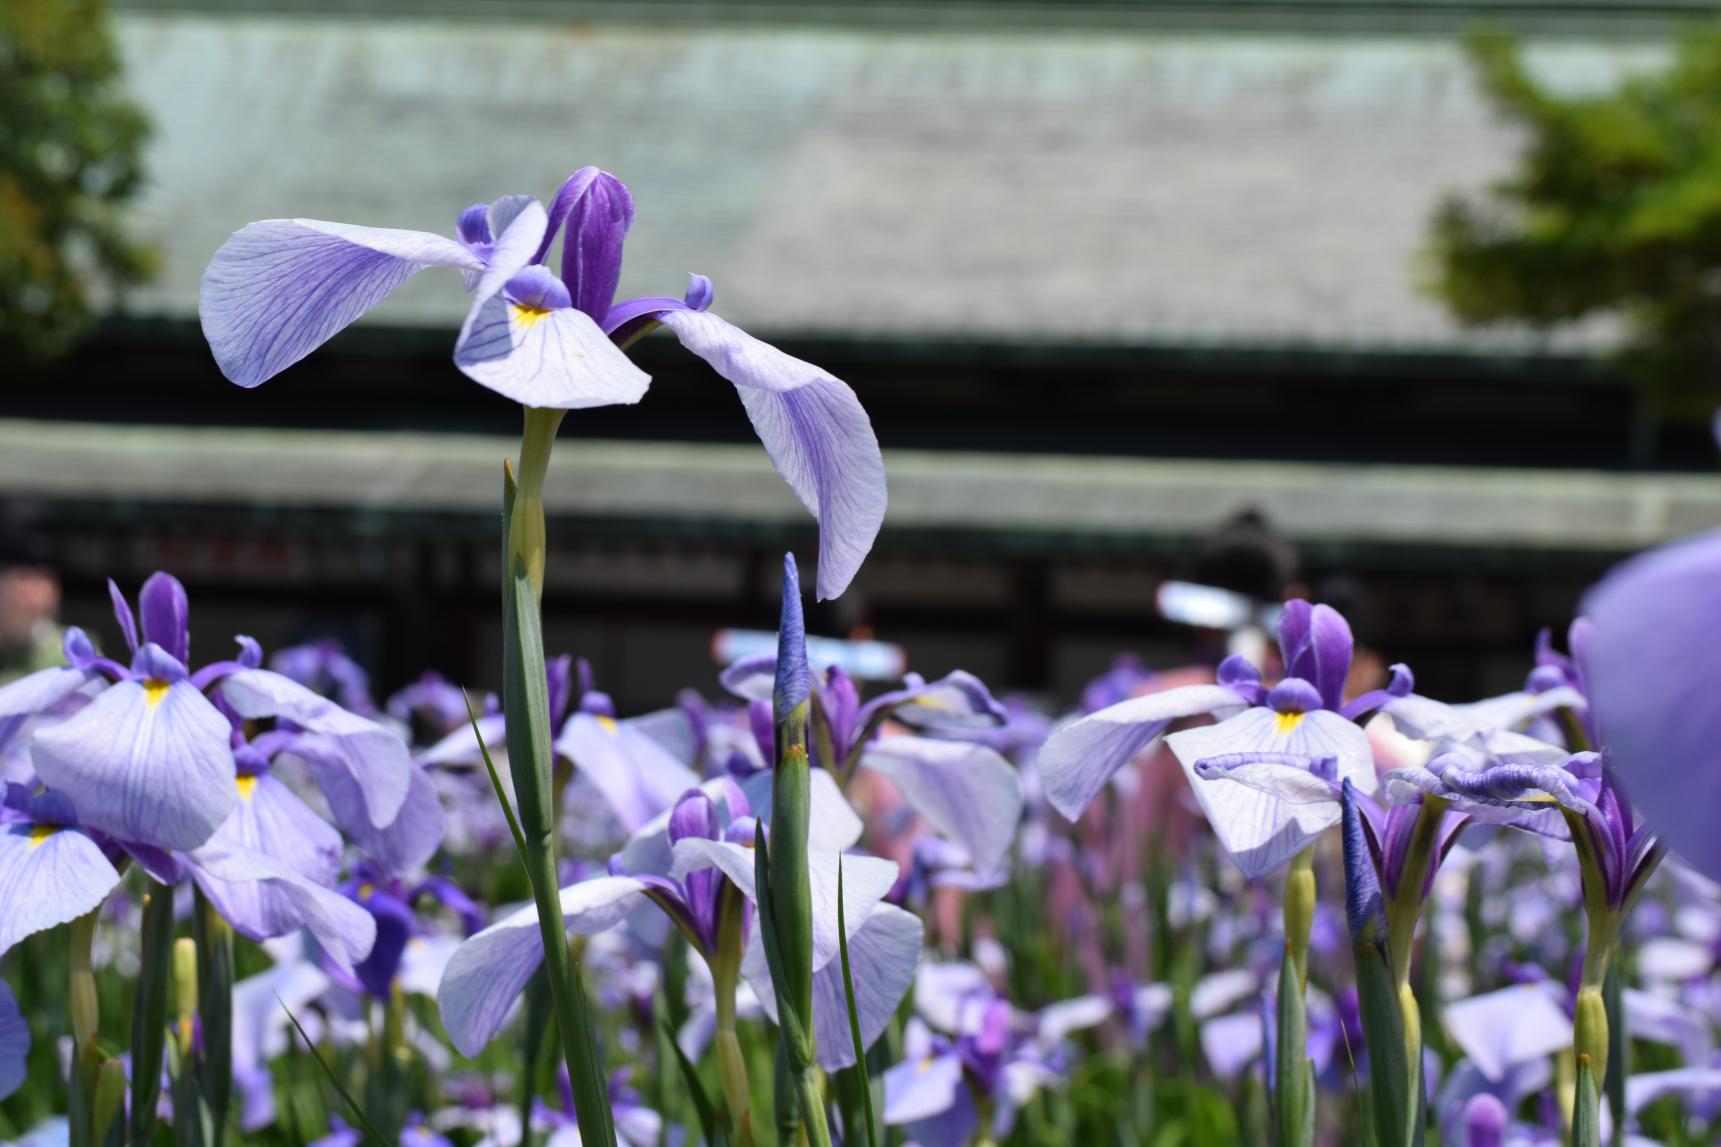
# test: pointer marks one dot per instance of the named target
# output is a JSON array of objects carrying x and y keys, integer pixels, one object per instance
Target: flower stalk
[{"x": 525, "y": 700}]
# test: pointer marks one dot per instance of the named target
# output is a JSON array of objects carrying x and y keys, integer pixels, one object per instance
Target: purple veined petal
[
  {"x": 1078, "y": 759},
  {"x": 1323, "y": 656},
  {"x": 1500, "y": 1030},
  {"x": 883, "y": 955},
  {"x": 14, "y": 1043},
  {"x": 489, "y": 971},
  {"x": 401, "y": 847},
  {"x": 145, "y": 761},
  {"x": 793, "y": 684},
  {"x": 460, "y": 747},
  {"x": 813, "y": 427},
  {"x": 967, "y": 792},
  {"x": 280, "y": 288},
  {"x": 598, "y": 211},
  {"x": 648, "y": 851},
  {"x": 1259, "y": 832},
  {"x": 751, "y": 678},
  {"x": 123, "y": 615},
  {"x": 866, "y": 881},
  {"x": 956, "y": 703},
  {"x": 1650, "y": 667},
  {"x": 1282, "y": 776},
  {"x": 559, "y": 359},
  {"x": 40, "y": 691},
  {"x": 636, "y": 776},
  {"x": 376, "y": 759},
  {"x": 345, "y": 930},
  {"x": 832, "y": 823},
  {"x": 166, "y": 614},
  {"x": 48, "y": 877},
  {"x": 271, "y": 821}
]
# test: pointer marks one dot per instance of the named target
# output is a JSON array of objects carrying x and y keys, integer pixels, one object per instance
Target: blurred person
[{"x": 30, "y": 632}]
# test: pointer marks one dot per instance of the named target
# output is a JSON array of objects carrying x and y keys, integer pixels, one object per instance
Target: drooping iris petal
[
  {"x": 1294, "y": 780},
  {"x": 48, "y": 877},
  {"x": 14, "y": 1043},
  {"x": 39, "y": 691},
  {"x": 636, "y": 775},
  {"x": 958, "y": 702},
  {"x": 1077, "y": 760},
  {"x": 968, "y": 792},
  {"x": 1651, "y": 663},
  {"x": 883, "y": 954},
  {"x": 1259, "y": 832},
  {"x": 269, "y": 819},
  {"x": 1499, "y": 1030},
  {"x": 402, "y": 846},
  {"x": 489, "y": 971},
  {"x": 377, "y": 760},
  {"x": 280, "y": 288},
  {"x": 145, "y": 761},
  {"x": 815, "y": 431},
  {"x": 345, "y": 930}
]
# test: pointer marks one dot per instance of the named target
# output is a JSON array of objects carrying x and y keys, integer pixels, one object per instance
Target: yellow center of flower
[
  {"x": 1284, "y": 724},
  {"x": 608, "y": 723},
  {"x": 529, "y": 317},
  {"x": 247, "y": 786},
  {"x": 40, "y": 833},
  {"x": 155, "y": 692}
]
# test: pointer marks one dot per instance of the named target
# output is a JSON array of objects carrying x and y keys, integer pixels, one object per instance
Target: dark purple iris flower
[{"x": 280, "y": 288}]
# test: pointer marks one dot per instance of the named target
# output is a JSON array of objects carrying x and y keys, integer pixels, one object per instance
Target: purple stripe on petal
[
  {"x": 815, "y": 431},
  {"x": 48, "y": 878},
  {"x": 278, "y": 289},
  {"x": 143, "y": 762}
]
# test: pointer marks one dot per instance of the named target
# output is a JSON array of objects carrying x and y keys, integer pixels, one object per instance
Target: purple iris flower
[
  {"x": 944, "y": 769},
  {"x": 416, "y": 1133},
  {"x": 324, "y": 667},
  {"x": 14, "y": 1043},
  {"x": 636, "y": 1125},
  {"x": 392, "y": 902},
  {"x": 1305, "y": 715},
  {"x": 278, "y": 289},
  {"x": 437, "y": 702}
]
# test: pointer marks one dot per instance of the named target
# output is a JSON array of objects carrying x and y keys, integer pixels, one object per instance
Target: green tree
[
  {"x": 69, "y": 144},
  {"x": 1614, "y": 208}
]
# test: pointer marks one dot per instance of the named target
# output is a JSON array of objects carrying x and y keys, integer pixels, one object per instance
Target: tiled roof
[{"x": 1105, "y": 186}]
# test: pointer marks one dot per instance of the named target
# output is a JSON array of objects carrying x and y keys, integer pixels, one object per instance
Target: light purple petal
[
  {"x": 751, "y": 678},
  {"x": 40, "y": 691},
  {"x": 269, "y": 819},
  {"x": 378, "y": 761},
  {"x": 1231, "y": 1043},
  {"x": 48, "y": 878},
  {"x": 832, "y": 823},
  {"x": 1259, "y": 832},
  {"x": 1499, "y": 1030},
  {"x": 345, "y": 930},
  {"x": 815, "y": 431},
  {"x": 1702, "y": 1084},
  {"x": 489, "y": 971},
  {"x": 921, "y": 1088},
  {"x": 1078, "y": 759},
  {"x": 560, "y": 359},
  {"x": 14, "y": 1043},
  {"x": 460, "y": 747},
  {"x": 144, "y": 761},
  {"x": 278, "y": 289},
  {"x": 967, "y": 792},
  {"x": 599, "y": 211},
  {"x": 882, "y": 958},
  {"x": 166, "y": 613},
  {"x": 1651, "y": 664},
  {"x": 637, "y": 777},
  {"x": 403, "y": 846},
  {"x": 1293, "y": 780}
]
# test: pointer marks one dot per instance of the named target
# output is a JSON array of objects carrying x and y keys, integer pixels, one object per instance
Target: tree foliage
[
  {"x": 1614, "y": 208},
  {"x": 69, "y": 160}
]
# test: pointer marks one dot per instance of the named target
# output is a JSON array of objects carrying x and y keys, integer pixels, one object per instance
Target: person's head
[{"x": 1245, "y": 555}]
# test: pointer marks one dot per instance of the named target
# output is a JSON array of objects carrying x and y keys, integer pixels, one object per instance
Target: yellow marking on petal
[
  {"x": 1537, "y": 798},
  {"x": 155, "y": 692},
  {"x": 365, "y": 891},
  {"x": 247, "y": 786},
  {"x": 1284, "y": 724},
  {"x": 529, "y": 317},
  {"x": 41, "y": 833},
  {"x": 608, "y": 723},
  {"x": 925, "y": 1064}
]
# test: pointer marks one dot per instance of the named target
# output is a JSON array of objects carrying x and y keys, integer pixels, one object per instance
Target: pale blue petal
[
  {"x": 278, "y": 289},
  {"x": 882, "y": 958},
  {"x": 378, "y": 761},
  {"x": 1259, "y": 832},
  {"x": 637, "y": 777},
  {"x": 345, "y": 930},
  {"x": 489, "y": 971},
  {"x": 48, "y": 878},
  {"x": 151, "y": 764},
  {"x": 1078, "y": 759},
  {"x": 815, "y": 431},
  {"x": 461, "y": 747},
  {"x": 40, "y": 691},
  {"x": 921, "y": 1088},
  {"x": 14, "y": 1043},
  {"x": 967, "y": 792}
]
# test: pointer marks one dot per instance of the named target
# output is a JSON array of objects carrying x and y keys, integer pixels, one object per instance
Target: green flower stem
[
  {"x": 149, "y": 1012},
  {"x": 86, "y": 1055},
  {"x": 525, "y": 700},
  {"x": 215, "y": 1009},
  {"x": 731, "y": 1063}
]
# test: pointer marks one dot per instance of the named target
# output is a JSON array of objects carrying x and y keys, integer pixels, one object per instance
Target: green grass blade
[
  {"x": 371, "y": 1134},
  {"x": 854, "y": 1012},
  {"x": 712, "y": 1121},
  {"x": 496, "y": 781}
]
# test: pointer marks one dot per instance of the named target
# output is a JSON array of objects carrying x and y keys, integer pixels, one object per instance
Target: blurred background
[{"x": 1416, "y": 317}]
